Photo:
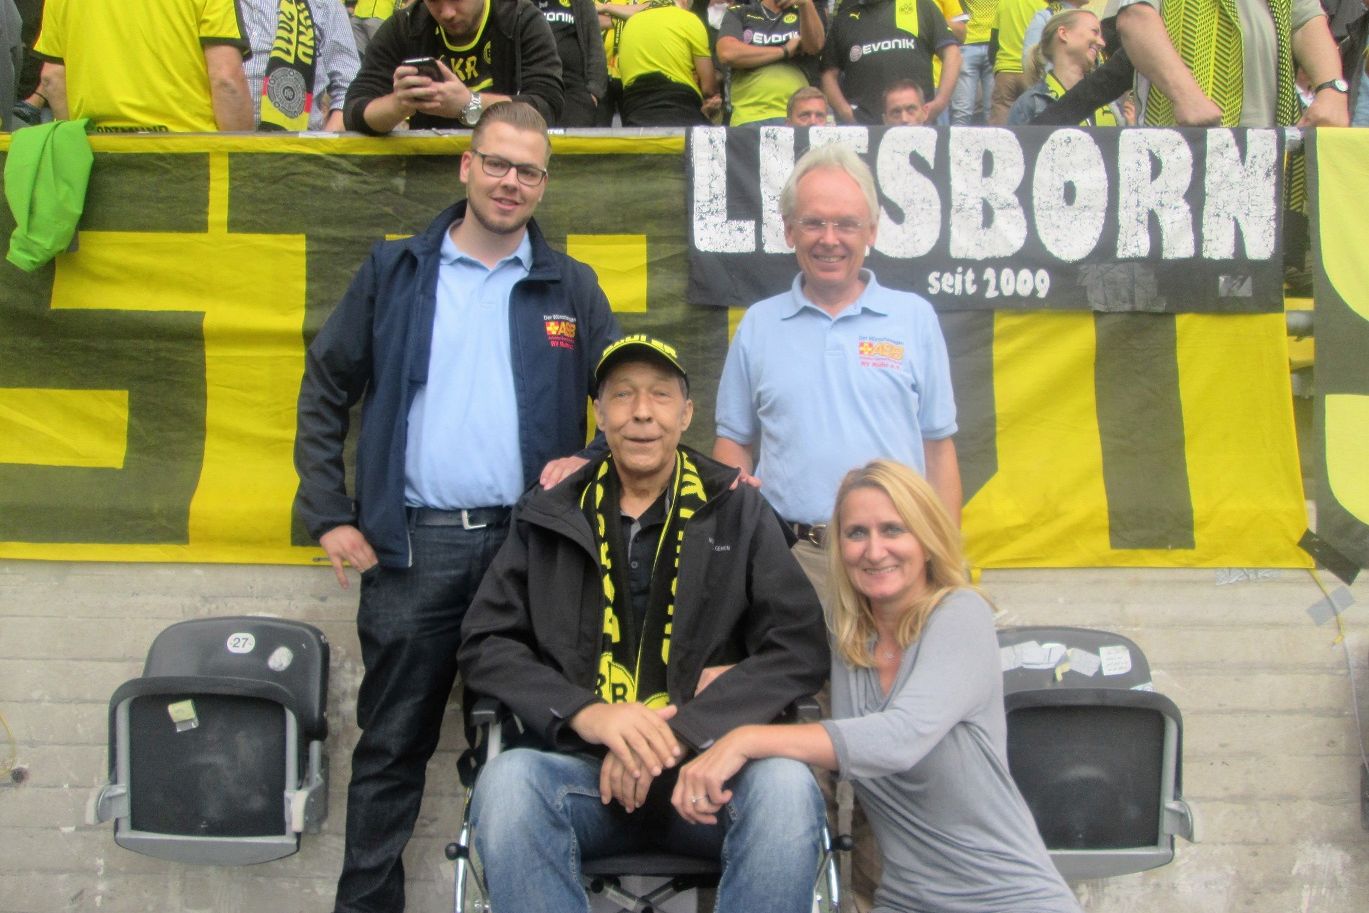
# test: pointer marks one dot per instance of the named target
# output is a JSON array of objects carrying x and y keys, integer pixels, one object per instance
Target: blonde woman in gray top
[{"x": 917, "y": 706}]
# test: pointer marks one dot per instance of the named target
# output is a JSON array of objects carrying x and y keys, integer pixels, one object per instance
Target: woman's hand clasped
[{"x": 701, "y": 789}]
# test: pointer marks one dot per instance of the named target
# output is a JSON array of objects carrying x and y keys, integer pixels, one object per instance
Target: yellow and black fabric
[
  {"x": 472, "y": 60},
  {"x": 373, "y": 9},
  {"x": 763, "y": 92},
  {"x": 1339, "y": 186},
  {"x": 983, "y": 15},
  {"x": 613, "y": 36},
  {"x": 664, "y": 41},
  {"x": 575, "y": 26},
  {"x": 1103, "y": 117},
  {"x": 875, "y": 43},
  {"x": 133, "y": 426},
  {"x": 1045, "y": 93},
  {"x": 636, "y": 639},
  {"x": 656, "y": 59},
  {"x": 513, "y": 53},
  {"x": 1013, "y": 18},
  {"x": 139, "y": 66},
  {"x": 287, "y": 95},
  {"x": 951, "y": 11},
  {"x": 1207, "y": 35}
]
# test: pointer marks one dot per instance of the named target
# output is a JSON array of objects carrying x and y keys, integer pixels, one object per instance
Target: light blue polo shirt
[
  {"x": 462, "y": 448},
  {"x": 824, "y": 395}
]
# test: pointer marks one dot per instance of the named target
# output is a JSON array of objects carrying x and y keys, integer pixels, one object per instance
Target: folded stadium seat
[
  {"x": 1094, "y": 750},
  {"x": 216, "y": 752}
]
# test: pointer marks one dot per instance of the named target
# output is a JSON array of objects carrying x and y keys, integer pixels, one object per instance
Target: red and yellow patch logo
[
  {"x": 880, "y": 353},
  {"x": 560, "y": 331}
]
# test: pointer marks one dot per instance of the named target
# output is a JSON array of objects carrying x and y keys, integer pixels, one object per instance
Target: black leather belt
[
  {"x": 815, "y": 533},
  {"x": 466, "y": 518}
]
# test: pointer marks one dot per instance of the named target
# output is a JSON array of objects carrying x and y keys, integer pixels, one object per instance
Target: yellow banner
[{"x": 148, "y": 379}]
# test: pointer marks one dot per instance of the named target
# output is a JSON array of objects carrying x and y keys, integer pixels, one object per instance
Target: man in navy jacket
[{"x": 473, "y": 346}]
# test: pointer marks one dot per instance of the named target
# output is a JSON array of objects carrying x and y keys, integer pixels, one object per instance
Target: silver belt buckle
[
  {"x": 817, "y": 533},
  {"x": 466, "y": 521}
]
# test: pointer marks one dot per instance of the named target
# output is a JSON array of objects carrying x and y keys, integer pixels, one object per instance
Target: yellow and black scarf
[
  {"x": 1103, "y": 117},
  {"x": 287, "y": 90},
  {"x": 632, "y": 664},
  {"x": 1207, "y": 35}
]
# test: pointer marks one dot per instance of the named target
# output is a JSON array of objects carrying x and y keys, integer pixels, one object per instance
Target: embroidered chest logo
[
  {"x": 878, "y": 352},
  {"x": 560, "y": 331}
]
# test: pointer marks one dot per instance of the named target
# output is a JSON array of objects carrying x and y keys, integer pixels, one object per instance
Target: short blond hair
[{"x": 803, "y": 94}]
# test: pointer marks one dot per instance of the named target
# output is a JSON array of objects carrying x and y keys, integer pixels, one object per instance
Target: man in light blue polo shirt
[
  {"x": 472, "y": 348},
  {"x": 838, "y": 370},
  {"x": 833, "y": 373}
]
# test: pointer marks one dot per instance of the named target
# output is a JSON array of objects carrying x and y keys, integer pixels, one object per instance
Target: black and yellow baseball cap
[{"x": 638, "y": 347}]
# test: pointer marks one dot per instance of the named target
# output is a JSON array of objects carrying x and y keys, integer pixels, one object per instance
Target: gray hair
[{"x": 837, "y": 156}]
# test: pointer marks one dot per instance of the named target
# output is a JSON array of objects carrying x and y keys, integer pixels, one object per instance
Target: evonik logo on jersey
[
  {"x": 878, "y": 47},
  {"x": 760, "y": 39}
]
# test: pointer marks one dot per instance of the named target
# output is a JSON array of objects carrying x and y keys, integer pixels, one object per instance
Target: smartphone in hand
[{"x": 426, "y": 66}]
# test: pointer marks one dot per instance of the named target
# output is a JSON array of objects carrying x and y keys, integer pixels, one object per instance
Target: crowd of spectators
[{"x": 374, "y": 66}]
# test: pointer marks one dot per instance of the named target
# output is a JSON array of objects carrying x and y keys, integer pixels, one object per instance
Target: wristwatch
[
  {"x": 471, "y": 113},
  {"x": 1338, "y": 84}
]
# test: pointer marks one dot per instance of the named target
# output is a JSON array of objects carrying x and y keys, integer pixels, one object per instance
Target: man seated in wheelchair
[{"x": 639, "y": 610}]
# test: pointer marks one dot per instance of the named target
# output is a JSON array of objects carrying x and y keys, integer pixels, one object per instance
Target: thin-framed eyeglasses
[
  {"x": 818, "y": 227},
  {"x": 496, "y": 167}
]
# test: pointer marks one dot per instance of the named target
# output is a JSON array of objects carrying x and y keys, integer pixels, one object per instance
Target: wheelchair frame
[{"x": 603, "y": 877}]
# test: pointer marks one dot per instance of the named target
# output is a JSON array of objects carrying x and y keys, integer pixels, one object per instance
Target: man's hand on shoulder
[
  {"x": 636, "y": 734},
  {"x": 556, "y": 470},
  {"x": 744, "y": 478},
  {"x": 346, "y": 544}
]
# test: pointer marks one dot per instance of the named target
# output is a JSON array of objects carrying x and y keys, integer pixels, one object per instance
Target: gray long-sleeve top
[{"x": 929, "y": 763}]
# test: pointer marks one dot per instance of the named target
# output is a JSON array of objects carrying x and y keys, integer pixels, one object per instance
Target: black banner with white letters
[{"x": 981, "y": 218}]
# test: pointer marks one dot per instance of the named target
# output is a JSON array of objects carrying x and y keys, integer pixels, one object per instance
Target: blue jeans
[
  {"x": 536, "y": 814},
  {"x": 976, "y": 76},
  {"x": 409, "y": 621}
]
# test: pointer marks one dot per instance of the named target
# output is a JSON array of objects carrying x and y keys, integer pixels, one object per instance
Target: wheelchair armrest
[
  {"x": 801, "y": 710},
  {"x": 486, "y": 718},
  {"x": 805, "y": 710},
  {"x": 488, "y": 711}
]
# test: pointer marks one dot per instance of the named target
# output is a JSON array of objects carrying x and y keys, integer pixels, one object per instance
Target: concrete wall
[{"x": 1271, "y": 759}]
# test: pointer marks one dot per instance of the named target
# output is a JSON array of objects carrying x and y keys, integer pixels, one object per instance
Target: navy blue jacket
[{"x": 377, "y": 343}]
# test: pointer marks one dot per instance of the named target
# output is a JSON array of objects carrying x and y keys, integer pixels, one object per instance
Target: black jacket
[
  {"x": 523, "y": 55},
  {"x": 1350, "y": 28},
  {"x": 377, "y": 342},
  {"x": 532, "y": 636}
]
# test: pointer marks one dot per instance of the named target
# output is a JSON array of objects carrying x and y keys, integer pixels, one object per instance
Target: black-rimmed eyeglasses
[{"x": 496, "y": 167}]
